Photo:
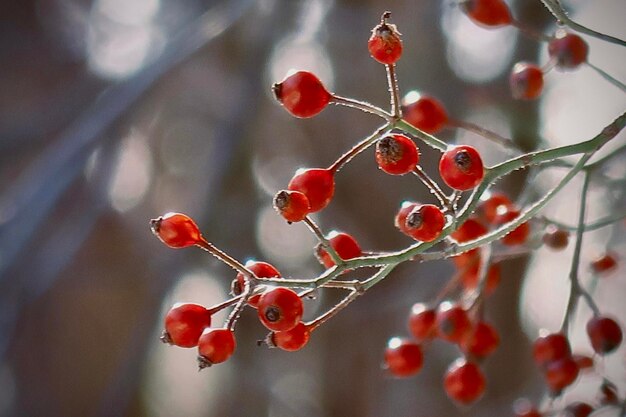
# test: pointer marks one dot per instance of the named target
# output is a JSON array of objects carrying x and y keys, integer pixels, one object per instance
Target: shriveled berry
[
  {"x": 216, "y": 345},
  {"x": 292, "y": 205},
  {"x": 517, "y": 236},
  {"x": 280, "y": 309},
  {"x": 293, "y": 339},
  {"x": 568, "y": 50},
  {"x": 422, "y": 322},
  {"x": 260, "y": 270},
  {"x": 461, "y": 167},
  {"x": 555, "y": 238},
  {"x": 385, "y": 45},
  {"x": 560, "y": 373},
  {"x": 184, "y": 324},
  {"x": 489, "y": 13},
  {"x": 523, "y": 407},
  {"x": 550, "y": 347},
  {"x": 526, "y": 81},
  {"x": 302, "y": 94},
  {"x": 403, "y": 358},
  {"x": 317, "y": 184},
  {"x": 425, "y": 222},
  {"x": 464, "y": 382},
  {"x": 471, "y": 229},
  {"x": 496, "y": 204},
  {"x": 396, "y": 154},
  {"x": 604, "y": 333},
  {"x": 604, "y": 264},
  {"x": 424, "y": 112},
  {"x": 481, "y": 341},
  {"x": 176, "y": 230},
  {"x": 344, "y": 244},
  {"x": 578, "y": 409},
  {"x": 453, "y": 323}
]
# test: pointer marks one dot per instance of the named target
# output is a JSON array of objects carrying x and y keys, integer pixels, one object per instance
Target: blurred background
[{"x": 113, "y": 112}]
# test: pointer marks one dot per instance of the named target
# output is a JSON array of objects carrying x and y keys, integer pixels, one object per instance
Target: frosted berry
[
  {"x": 400, "y": 218},
  {"x": 216, "y": 345},
  {"x": 555, "y": 238},
  {"x": 184, "y": 324},
  {"x": 260, "y": 270},
  {"x": 344, "y": 244},
  {"x": 176, "y": 230},
  {"x": 604, "y": 264},
  {"x": 291, "y": 340},
  {"x": 424, "y": 112},
  {"x": 517, "y": 236},
  {"x": 461, "y": 167},
  {"x": 464, "y": 382},
  {"x": 481, "y": 341},
  {"x": 560, "y": 374},
  {"x": 422, "y": 322},
  {"x": 385, "y": 45},
  {"x": 453, "y": 323},
  {"x": 280, "y": 309},
  {"x": 292, "y": 205},
  {"x": 490, "y": 13},
  {"x": 302, "y": 94},
  {"x": 526, "y": 81},
  {"x": 396, "y": 154},
  {"x": 403, "y": 358},
  {"x": 568, "y": 50},
  {"x": 425, "y": 222},
  {"x": 317, "y": 184},
  {"x": 605, "y": 334},
  {"x": 551, "y": 347},
  {"x": 496, "y": 204}
]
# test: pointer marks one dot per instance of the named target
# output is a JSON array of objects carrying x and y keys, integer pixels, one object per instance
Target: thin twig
[
  {"x": 394, "y": 91},
  {"x": 433, "y": 187},
  {"x": 226, "y": 258},
  {"x": 361, "y": 105},
  {"x": 617, "y": 83},
  {"x": 359, "y": 147},
  {"x": 487, "y": 134},
  {"x": 530, "y": 32},
  {"x": 323, "y": 241}
]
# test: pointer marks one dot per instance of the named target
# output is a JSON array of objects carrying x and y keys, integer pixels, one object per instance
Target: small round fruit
[
  {"x": 517, "y": 236},
  {"x": 425, "y": 222},
  {"x": 292, "y": 205},
  {"x": 453, "y": 323},
  {"x": 385, "y": 45},
  {"x": 482, "y": 341},
  {"x": 555, "y": 238},
  {"x": 550, "y": 347},
  {"x": 489, "y": 13},
  {"x": 344, "y": 244},
  {"x": 302, "y": 94},
  {"x": 526, "y": 81},
  {"x": 260, "y": 270},
  {"x": 464, "y": 382},
  {"x": 422, "y": 322},
  {"x": 176, "y": 230},
  {"x": 280, "y": 309},
  {"x": 184, "y": 324},
  {"x": 471, "y": 229},
  {"x": 317, "y": 184},
  {"x": 216, "y": 345},
  {"x": 396, "y": 154},
  {"x": 604, "y": 264},
  {"x": 293, "y": 339},
  {"x": 568, "y": 50},
  {"x": 578, "y": 409},
  {"x": 496, "y": 204},
  {"x": 604, "y": 333},
  {"x": 461, "y": 167},
  {"x": 403, "y": 358},
  {"x": 424, "y": 112},
  {"x": 400, "y": 219},
  {"x": 560, "y": 374}
]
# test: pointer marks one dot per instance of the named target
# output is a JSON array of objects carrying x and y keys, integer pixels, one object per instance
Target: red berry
[
  {"x": 522, "y": 407},
  {"x": 400, "y": 219},
  {"x": 555, "y": 238},
  {"x": 344, "y": 244},
  {"x": 471, "y": 229},
  {"x": 482, "y": 341},
  {"x": 568, "y": 50},
  {"x": 280, "y": 309},
  {"x": 422, "y": 322},
  {"x": 260, "y": 270},
  {"x": 469, "y": 277},
  {"x": 464, "y": 382},
  {"x": 292, "y": 205},
  {"x": 396, "y": 154},
  {"x": 526, "y": 81},
  {"x": 560, "y": 373},
  {"x": 453, "y": 323},
  {"x": 403, "y": 358},
  {"x": 317, "y": 184},
  {"x": 176, "y": 230},
  {"x": 551, "y": 347},
  {"x": 184, "y": 324},
  {"x": 578, "y": 409},
  {"x": 215, "y": 346},
  {"x": 424, "y": 112},
  {"x": 604, "y": 264},
  {"x": 292, "y": 339},
  {"x": 302, "y": 94},
  {"x": 490, "y": 13},
  {"x": 496, "y": 204},
  {"x": 608, "y": 393},
  {"x": 425, "y": 222},
  {"x": 519, "y": 235},
  {"x": 583, "y": 362},
  {"x": 461, "y": 167},
  {"x": 467, "y": 260},
  {"x": 384, "y": 44},
  {"x": 605, "y": 334}
]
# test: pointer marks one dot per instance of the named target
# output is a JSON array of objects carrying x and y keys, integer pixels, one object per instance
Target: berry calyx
[
  {"x": 489, "y": 13},
  {"x": 550, "y": 347},
  {"x": 260, "y": 270},
  {"x": 526, "y": 81},
  {"x": 403, "y": 358},
  {"x": 184, "y": 324},
  {"x": 568, "y": 50},
  {"x": 422, "y": 322},
  {"x": 385, "y": 45},
  {"x": 216, "y": 345},
  {"x": 555, "y": 238},
  {"x": 424, "y": 112},
  {"x": 280, "y": 309},
  {"x": 604, "y": 264},
  {"x": 453, "y": 323},
  {"x": 317, "y": 184},
  {"x": 560, "y": 374},
  {"x": 481, "y": 341},
  {"x": 396, "y": 154},
  {"x": 517, "y": 236},
  {"x": 461, "y": 167},
  {"x": 302, "y": 94},
  {"x": 344, "y": 244},
  {"x": 496, "y": 204},
  {"x": 464, "y": 382},
  {"x": 291, "y": 340},
  {"x": 176, "y": 230},
  {"x": 292, "y": 205},
  {"x": 425, "y": 222},
  {"x": 605, "y": 334}
]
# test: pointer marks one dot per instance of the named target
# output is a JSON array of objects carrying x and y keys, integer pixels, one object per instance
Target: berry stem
[
  {"x": 358, "y": 148},
  {"x": 530, "y": 32},
  {"x": 361, "y": 105},
  {"x": 617, "y": 83},
  {"x": 588, "y": 227},
  {"x": 487, "y": 134},
  {"x": 428, "y": 139},
  {"x": 227, "y": 259},
  {"x": 394, "y": 91},
  {"x": 433, "y": 187},
  {"x": 323, "y": 241},
  {"x": 223, "y": 305},
  {"x": 314, "y": 324},
  {"x": 483, "y": 271}
]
